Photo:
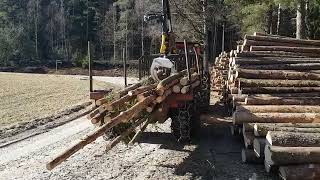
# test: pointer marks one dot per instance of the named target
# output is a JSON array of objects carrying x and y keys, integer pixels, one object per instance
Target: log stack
[
  {"x": 274, "y": 94},
  {"x": 219, "y": 74},
  {"x": 120, "y": 114}
]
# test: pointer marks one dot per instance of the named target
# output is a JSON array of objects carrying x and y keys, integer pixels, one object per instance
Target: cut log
[
  {"x": 195, "y": 84},
  {"x": 97, "y": 118},
  {"x": 275, "y": 74},
  {"x": 139, "y": 132},
  {"x": 141, "y": 90},
  {"x": 151, "y": 107},
  {"x": 299, "y": 172},
  {"x": 282, "y": 100},
  {"x": 270, "y": 43},
  {"x": 286, "y": 49},
  {"x": 185, "y": 80},
  {"x": 278, "y": 90},
  {"x": 299, "y": 67},
  {"x": 122, "y": 117},
  {"x": 160, "y": 99},
  {"x": 293, "y": 139},
  {"x": 126, "y": 90},
  {"x": 262, "y": 129},
  {"x": 258, "y": 146},
  {"x": 275, "y": 54},
  {"x": 279, "y": 109},
  {"x": 276, "y": 155},
  {"x": 241, "y": 61},
  {"x": 93, "y": 113},
  {"x": 277, "y": 83},
  {"x": 283, "y": 40},
  {"x": 240, "y": 117},
  {"x": 248, "y": 138},
  {"x": 118, "y": 103},
  {"x": 160, "y": 91},
  {"x": 177, "y": 88},
  {"x": 248, "y": 156},
  {"x": 185, "y": 89},
  {"x": 102, "y": 101}
]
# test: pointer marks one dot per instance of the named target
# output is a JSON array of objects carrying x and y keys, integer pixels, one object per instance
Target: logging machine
[{"x": 175, "y": 56}]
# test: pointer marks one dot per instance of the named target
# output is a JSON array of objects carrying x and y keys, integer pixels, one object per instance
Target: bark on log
[
  {"x": 116, "y": 104},
  {"x": 97, "y": 118},
  {"x": 275, "y": 74},
  {"x": 248, "y": 156},
  {"x": 93, "y": 113},
  {"x": 276, "y": 155},
  {"x": 122, "y": 117},
  {"x": 282, "y": 101},
  {"x": 270, "y": 43},
  {"x": 293, "y": 139},
  {"x": 262, "y": 129},
  {"x": 279, "y": 108},
  {"x": 126, "y": 90},
  {"x": 139, "y": 132},
  {"x": 286, "y": 49},
  {"x": 299, "y": 67},
  {"x": 258, "y": 146},
  {"x": 279, "y": 90},
  {"x": 160, "y": 99},
  {"x": 240, "y": 117},
  {"x": 242, "y": 61},
  {"x": 277, "y": 83},
  {"x": 141, "y": 89},
  {"x": 299, "y": 172},
  {"x": 275, "y": 54},
  {"x": 102, "y": 101},
  {"x": 283, "y": 40}
]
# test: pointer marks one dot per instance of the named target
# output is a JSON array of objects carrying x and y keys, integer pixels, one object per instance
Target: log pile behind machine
[
  {"x": 273, "y": 92},
  {"x": 123, "y": 116}
]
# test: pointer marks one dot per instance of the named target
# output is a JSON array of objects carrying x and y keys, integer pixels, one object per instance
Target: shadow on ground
[{"x": 217, "y": 153}]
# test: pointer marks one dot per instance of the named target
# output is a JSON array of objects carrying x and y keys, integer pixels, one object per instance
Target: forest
[{"x": 39, "y": 32}]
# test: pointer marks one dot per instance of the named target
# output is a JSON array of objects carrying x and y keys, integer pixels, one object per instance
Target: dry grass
[{"x": 24, "y": 97}]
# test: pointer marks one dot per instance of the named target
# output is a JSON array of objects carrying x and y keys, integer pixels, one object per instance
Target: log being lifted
[
  {"x": 277, "y": 83},
  {"x": 261, "y": 129},
  {"x": 293, "y": 139},
  {"x": 283, "y": 40},
  {"x": 282, "y": 100},
  {"x": 279, "y": 90},
  {"x": 240, "y": 117},
  {"x": 299, "y": 172},
  {"x": 141, "y": 89},
  {"x": 275, "y": 74},
  {"x": 279, "y": 108},
  {"x": 300, "y": 67},
  {"x": 185, "y": 80},
  {"x": 116, "y": 104},
  {"x": 122, "y": 117},
  {"x": 277, "y": 155}
]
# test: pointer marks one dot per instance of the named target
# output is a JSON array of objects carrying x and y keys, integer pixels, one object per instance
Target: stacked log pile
[
  {"x": 219, "y": 74},
  {"x": 123, "y": 116},
  {"x": 274, "y": 94}
]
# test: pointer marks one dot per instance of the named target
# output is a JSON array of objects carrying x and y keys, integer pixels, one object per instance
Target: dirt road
[{"x": 215, "y": 154}]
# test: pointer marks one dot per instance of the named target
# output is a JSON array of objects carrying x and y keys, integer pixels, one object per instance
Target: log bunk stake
[{"x": 272, "y": 90}]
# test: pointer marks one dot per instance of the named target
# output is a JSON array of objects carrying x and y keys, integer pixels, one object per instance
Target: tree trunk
[
  {"x": 300, "y": 67},
  {"x": 283, "y": 40},
  {"x": 300, "y": 20},
  {"x": 276, "y": 74},
  {"x": 279, "y": 19},
  {"x": 282, "y": 101},
  {"x": 240, "y": 117},
  {"x": 241, "y": 61},
  {"x": 310, "y": 50},
  {"x": 278, "y": 83},
  {"x": 279, "y": 90},
  {"x": 293, "y": 139},
  {"x": 276, "y": 155},
  {"x": 261, "y": 130},
  {"x": 279, "y": 109}
]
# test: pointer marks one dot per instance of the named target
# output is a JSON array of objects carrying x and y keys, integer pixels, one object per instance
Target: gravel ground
[{"x": 214, "y": 154}]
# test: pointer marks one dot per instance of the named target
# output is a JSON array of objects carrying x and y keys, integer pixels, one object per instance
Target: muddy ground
[{"x": 213, "y": 154}]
